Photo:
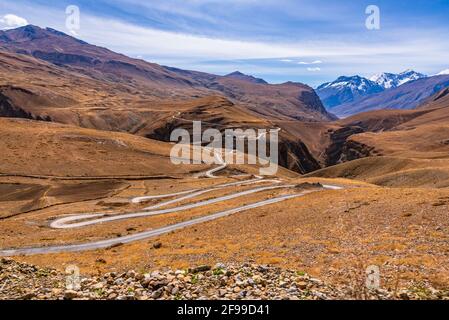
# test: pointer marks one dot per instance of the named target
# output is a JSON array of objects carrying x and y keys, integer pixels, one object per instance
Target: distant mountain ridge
[
  {"x": 241, "y": 76},
  {"x": 444, "y": 72},
  {"x": 407, "y": 96},
  {"x": 282, "y": 101},
  {"x": 345, "y": 90},
  {"x": 347, "y": 96},
  {"x": 391, "y": 80}
]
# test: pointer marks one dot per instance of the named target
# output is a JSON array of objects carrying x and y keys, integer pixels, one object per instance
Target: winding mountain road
[
  {"x": 218, "y": 155},
  {"x": 64, "y": 223},
  {"x": 79, "y": 221},
  {"x": 150, "y": 233}
]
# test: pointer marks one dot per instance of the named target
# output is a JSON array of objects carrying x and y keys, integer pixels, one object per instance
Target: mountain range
[
  {"x": 350, "y": 95},
  {"x": 50, "y": 76},
  {"x": 391, "y": 80},
  {"x": 291, "y": 100},
  {"x": 346, "y": 89},
  {"x": 87, "y": 164},
  {"x": 406, "y": 96}
]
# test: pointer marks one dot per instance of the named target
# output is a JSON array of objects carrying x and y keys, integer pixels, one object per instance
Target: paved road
[
  {"x": 68, "y": 222},
  {"x": 83, "y": 220},
  {"x": 218, "y": 155},
  {"x": 147, "y": 234},
  {"x": 220, "y": 186},
  {"x": 220, "y": 161}
]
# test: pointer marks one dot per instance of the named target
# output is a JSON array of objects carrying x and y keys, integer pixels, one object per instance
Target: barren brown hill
[
  {"x": 53, "y": 77},
  {"x": 400, "y": 148},
  {"x": 280, "y": 101},
  {"x": 36, "y": 89},
  {"x": 36, "y": 148},
  {"x": 392, "y": 172},
  {"x": 43, "y": 164},
  {"x": 287, "y": 101},
  {"x": 294, "y": 101}
]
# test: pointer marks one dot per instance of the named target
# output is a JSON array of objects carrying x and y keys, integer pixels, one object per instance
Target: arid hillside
[
  {"x": 37, "y": 148},
  {"x": 145, "y": 81},
  {"x": 86, "y": 176},
  {"x": 50, "y": 76},
  {"x": 398, "y": 148}
]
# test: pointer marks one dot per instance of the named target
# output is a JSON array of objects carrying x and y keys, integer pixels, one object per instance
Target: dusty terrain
[
  {"x": 328, "y": 234},
  {"x": 395, "y": 148},
  {"x": 85, "y": 136}
]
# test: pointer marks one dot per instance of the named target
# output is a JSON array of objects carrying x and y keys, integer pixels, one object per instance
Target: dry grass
[{"x": 330, "y": 234}]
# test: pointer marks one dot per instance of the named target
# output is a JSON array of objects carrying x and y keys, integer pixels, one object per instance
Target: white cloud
[
  {"x": 313, "y": 69},
  {"x": 10, "y": 21},
  {"x": 133, "y": 39},
  {"x": 313, "y": 62}
]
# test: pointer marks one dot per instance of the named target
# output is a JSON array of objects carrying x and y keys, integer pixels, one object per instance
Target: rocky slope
[{"x": 225, "y": 282}]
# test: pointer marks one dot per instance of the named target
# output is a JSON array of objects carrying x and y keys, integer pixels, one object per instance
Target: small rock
[
  {"x": 302, "y": 285},
  {"x": 157, "y": 294},
  {"x": 112, "y": 296},
  {"x": 222, "y": 292},
  {"x": 70, "y": 294},
  {"x": 131, "y": 274},
  {"x": 319, "y": 295},
  {"x": 201, "y": 269},
  {"x": 98, "y": 286},
  {"x": 157, "y": 245},
  {"x": 404, "y": 295},
  {"x": 28, "y": 296},
  {"x": 220, "y": 266}
]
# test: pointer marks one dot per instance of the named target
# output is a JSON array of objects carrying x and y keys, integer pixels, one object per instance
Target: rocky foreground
[{"x": 248, "y": 281}]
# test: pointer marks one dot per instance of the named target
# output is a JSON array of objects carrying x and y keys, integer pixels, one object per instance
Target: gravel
[{"x": 223, "y": 281}]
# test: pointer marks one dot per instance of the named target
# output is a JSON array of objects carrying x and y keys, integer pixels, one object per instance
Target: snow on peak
[
  {"x": 391, "y": 80},
  {"x": 442, "y": 73},
  {"x": 354, "y": 84}
]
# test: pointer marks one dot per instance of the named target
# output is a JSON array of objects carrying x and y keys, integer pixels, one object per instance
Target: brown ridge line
[
  {"x": 90, "y": 178},
  {"x": 112, "y": 194}
]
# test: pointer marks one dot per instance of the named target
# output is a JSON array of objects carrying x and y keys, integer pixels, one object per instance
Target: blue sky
[{"x": 278, "y": 40}]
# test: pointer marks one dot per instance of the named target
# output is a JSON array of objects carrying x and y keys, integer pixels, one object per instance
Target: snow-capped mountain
[
  {"x": 443, "y": 73},
  {"x": 407, "y": 96},
  {"x": 345, "y": 90},
  {"x": 391, "y": 80}
]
